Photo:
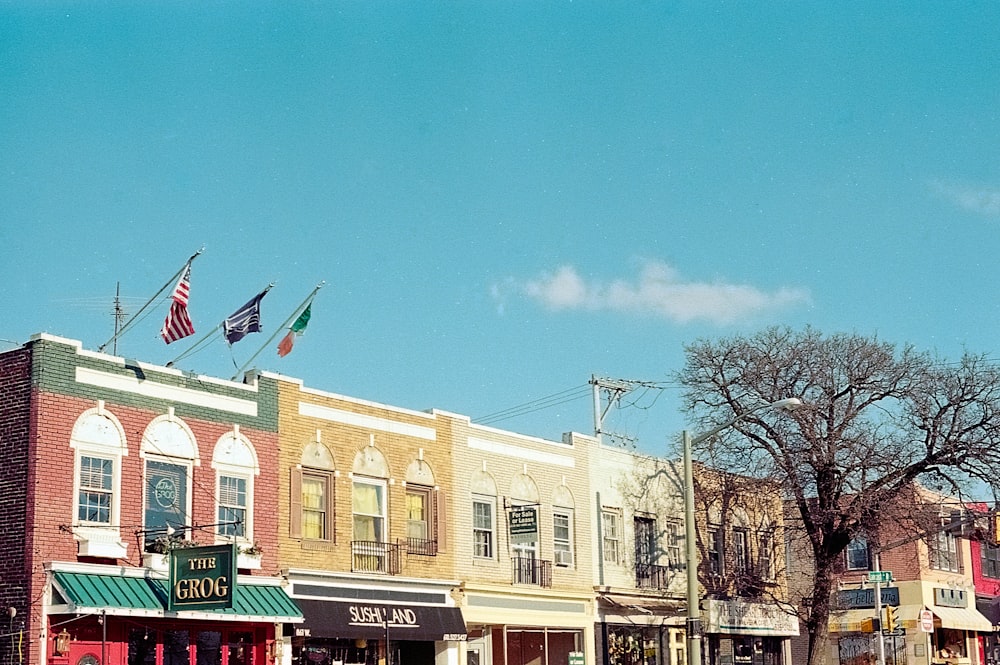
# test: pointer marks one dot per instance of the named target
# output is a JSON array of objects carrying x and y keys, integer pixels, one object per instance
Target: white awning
[{"x": 962, "y": 618}]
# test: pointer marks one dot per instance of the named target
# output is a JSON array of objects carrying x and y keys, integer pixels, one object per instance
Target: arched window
[
  {"x": 425, "y": 511},
  {"x": 562, "y": 526},
  {"x": 524, "y": 493},
  {"x": 484, "y": 504},
  {"x": 170, "y": 454},
  {"x": 369, "y": 489},
  {"x": 98, "y": 441},
  {"x": 312, "y": 515},
  {"x": 235, "y": 462}
]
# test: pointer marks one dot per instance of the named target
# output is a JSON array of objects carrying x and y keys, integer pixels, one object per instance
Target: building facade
[
  {"x": 365, "y": 496},
  {"x": 118, "y": 464},
  {"x": 639, "y": 562}
]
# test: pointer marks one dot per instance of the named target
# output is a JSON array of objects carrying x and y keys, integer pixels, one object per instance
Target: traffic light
[{"x": 891, "y": 620}]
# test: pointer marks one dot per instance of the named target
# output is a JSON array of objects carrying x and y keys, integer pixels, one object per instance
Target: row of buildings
[{"x": 367, "y": 533}]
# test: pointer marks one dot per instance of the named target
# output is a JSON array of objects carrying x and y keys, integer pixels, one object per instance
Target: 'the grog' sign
[{"x": 202, "y": 578}]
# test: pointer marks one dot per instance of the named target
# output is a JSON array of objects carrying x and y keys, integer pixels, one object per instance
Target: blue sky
[{"x": 503, "y": 198}]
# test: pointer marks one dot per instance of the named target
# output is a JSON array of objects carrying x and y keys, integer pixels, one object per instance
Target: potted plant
[
  {"x": 248, "y": 556},
  {"x": 157, "y": 550}
]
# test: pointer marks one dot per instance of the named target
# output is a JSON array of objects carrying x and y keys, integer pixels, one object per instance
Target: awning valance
[
  {"x": 360, "y": 619},
  {"x": 849, "y": 621},
  {"x": 962, "y": 618},
  {"x": 128, "y": 595}
]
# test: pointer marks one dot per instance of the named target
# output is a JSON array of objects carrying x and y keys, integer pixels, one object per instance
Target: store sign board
[
  {"x": 202, "y": 578},
  {"x": 860, "y": 599}
]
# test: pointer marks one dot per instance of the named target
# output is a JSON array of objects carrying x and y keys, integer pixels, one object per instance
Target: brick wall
[{"x": 15, "y": 424}]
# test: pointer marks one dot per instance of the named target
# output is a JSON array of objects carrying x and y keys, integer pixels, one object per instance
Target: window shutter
[
  {"x": 295, "y": 504},
  {"x": 331, "y": 508},
  {"x": 441, "y": 520}
]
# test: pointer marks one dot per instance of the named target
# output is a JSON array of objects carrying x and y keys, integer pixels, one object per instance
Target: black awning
[
  {"x": 330, "y": 618},
  {"x": 989, "y": 608}
]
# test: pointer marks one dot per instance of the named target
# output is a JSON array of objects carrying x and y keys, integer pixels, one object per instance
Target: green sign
[
  {"x": 880, "y": 576},
  {"x": 523, "y": 521},
  {"x": 202, "y": 578},
  {"x": 575, "y": 658}
]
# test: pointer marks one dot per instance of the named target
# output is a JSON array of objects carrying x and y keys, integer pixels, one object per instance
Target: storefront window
[
  {"x": 949, "y": 643},
  {"x": 208, "y": 647},
  {"x": 542, "y": 646},
  {"x": 240, "y": 649},
  {"x": 176, "y": 647},
  {"x": 142, "y": 647}
]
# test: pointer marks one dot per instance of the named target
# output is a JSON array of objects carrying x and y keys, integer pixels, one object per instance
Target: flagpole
[
  {"x": 171, "y": 281},
  {"x": 204, "y": 339},
  {"x": 191, "y": 349},
  {"x": 281, "y": 328}
]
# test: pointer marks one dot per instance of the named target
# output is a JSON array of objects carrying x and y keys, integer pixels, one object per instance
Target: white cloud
[
  {"x": 659, "y": 291},
  {"x": 980, "y": 200}
]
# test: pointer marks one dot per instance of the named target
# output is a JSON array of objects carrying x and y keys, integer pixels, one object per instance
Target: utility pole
[{"x": 608, "y": 393}]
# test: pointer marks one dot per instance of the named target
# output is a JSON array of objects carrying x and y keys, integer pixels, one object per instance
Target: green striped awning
[{"x": 134, "y": 595}]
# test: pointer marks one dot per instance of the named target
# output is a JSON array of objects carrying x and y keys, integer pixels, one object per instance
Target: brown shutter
[
  {"x": 331, "y": 508},
  {"x": 441, "y": 520},
  {"x": 295, "y": 504}
]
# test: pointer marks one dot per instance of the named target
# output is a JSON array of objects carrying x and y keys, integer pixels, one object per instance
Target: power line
[{"x": 562, "y": 397}]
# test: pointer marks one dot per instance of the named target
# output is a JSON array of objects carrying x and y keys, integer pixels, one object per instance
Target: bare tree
[{"x": 878, "y": 419}]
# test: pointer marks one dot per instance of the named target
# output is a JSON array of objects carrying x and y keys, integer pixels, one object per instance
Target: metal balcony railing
[
  {"x": 371, "y": 556},
  {"x": 652, "y": 576},
  {"x": 532, "y": 571},
  {"x": 419, "y": 546}
]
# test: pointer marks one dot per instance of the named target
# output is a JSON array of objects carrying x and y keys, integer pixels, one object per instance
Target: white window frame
[
  {"x": 673, "y": 538},
  {"x": 611, "y": 535},
  {"x": 98, "y": 434},
  {"x": 944, "y": 551},
  {"x": 242, "y": 532},
  {"x": 562, "y": 546},
  {"x": 380, "y": 518},
  {"x": 234, "y": 457},
  {"x": 484, "y": 536}
]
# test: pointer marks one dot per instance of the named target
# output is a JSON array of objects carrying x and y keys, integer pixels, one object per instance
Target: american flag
[{"x": 178, "y": 324}]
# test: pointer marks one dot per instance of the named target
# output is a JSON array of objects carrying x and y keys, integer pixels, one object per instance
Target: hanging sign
[
  {"x": 523, "y": 524},
  {"x": 202, "y": 578}
]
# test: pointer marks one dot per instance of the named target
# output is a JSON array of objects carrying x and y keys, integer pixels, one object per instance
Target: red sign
[{"x": 926, "y": 621}]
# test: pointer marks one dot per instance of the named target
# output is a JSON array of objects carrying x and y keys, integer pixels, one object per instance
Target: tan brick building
[{"x": 364, "y": 505}]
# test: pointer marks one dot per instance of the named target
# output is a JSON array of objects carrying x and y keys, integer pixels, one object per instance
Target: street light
[{"x": 693, "y": 626}]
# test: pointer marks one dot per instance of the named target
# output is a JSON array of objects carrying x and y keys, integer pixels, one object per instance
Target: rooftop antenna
[{"x": 119, "y": 315}]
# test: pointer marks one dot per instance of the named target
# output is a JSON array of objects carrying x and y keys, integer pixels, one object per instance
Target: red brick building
[{"x": 110, "y": 464}]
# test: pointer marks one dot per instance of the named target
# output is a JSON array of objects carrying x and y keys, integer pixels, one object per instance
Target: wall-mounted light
[{"x": 62, "y": 643}]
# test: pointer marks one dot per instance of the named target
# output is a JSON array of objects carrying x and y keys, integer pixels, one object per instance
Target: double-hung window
[
  {"x": 483, "y": 527},
  {"x": 611, "y": 535},
  {"x": 740, "y": 550},
  {"x": 96, "y": 495},
  {"x": 562, "y": 536},
  {"x": 98, "y": 441},
  {"x": 232, "y": 515},
  {"x": 943, "y": 551},
  {"x": 991, "y": 560},
  {"x": 716, "y": 552}
]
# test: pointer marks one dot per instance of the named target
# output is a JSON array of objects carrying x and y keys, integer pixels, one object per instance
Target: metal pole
[
  {"x": 878, "y": 614},
  {"x": 690, "y": 530}
]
